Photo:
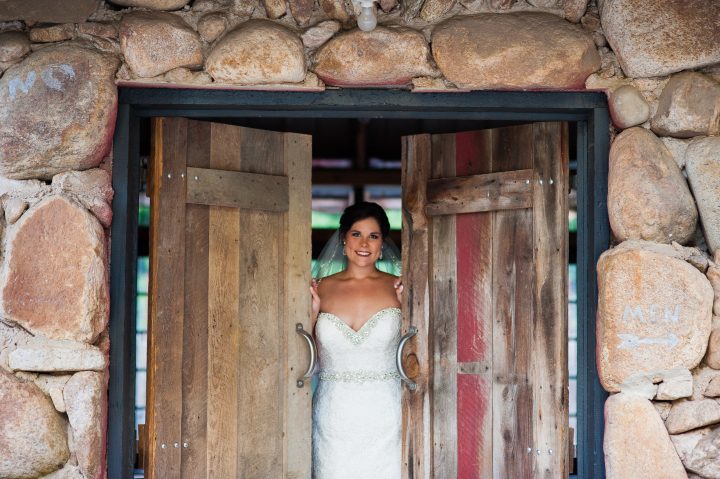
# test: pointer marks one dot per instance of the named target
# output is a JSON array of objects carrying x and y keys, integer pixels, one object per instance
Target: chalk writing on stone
[
  {"x": 24, "y": 86},
  {"x": 51, "y": 76},
  {"x": 652, "y": 314},
  {"x": 631, "y": 341},
  {"x": 51, "y": 81}
]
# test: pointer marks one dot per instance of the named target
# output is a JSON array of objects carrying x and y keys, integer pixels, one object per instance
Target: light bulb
[{"x": 367, "y": 21}]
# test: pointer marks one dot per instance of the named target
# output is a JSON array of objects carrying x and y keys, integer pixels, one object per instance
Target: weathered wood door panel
[
  {"x": 230, "y": 258},
  {"x": 486, "y": 229}
]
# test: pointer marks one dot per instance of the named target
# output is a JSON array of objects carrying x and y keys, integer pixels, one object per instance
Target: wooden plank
[
  {"x": 513, "y": 317},
  {"x": 550, "y": 300},
  {"x": 443, "y": 320},
  {"x": 223, "y": 330},
  {"x": 167, "y": 265},
  {"x": 512, "y": 344},
  {"x": 475, "y": 322},
  {"x": 478, "y": 193},
  {"x": 237, "y": 189},
  {"x": 261, "y": 319},
  {"x": 416, "y": 452},
  {"x": 195, "y": 336},
  {"x": 296, "y": 241}
]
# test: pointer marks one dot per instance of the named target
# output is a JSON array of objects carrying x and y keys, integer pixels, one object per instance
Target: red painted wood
[
  {"x": 474, "y": 254},
  {"x": 474, "y": 306},
  {"x": 473, "y": 410}
]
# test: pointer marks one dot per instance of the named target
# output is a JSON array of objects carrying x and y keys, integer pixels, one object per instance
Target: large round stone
[
  {"x": 33, "y": 439},
  {"x": 13, "y": 46},
  {"x": 383, "y": 57},
  {"x": 514, "y": 50},
  {"x": 703, "y": 169},
  {"x": 648, "y": 197},
  {"x": 58, "y": 112},
  {"x": 636, "y": 444},
  {"x": 54, "y": 281},
  {"x": 654, "y": 314},
  {"x": 156, "y": 42},
  {"x": 628, "y": 107},
  {"x": 258, "y": 52},
  {"x": 662, "y": 36},
  {"x": 689, "y": 105}
]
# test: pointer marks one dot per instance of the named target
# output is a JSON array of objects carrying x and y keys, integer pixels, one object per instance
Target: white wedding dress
[{"x": 356, "y": 411}]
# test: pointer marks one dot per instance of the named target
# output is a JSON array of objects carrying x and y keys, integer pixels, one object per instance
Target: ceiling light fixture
[{"x": 366, "y": 21}]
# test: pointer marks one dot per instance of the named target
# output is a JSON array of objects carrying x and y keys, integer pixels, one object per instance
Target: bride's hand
[
  {"x": 398, "y": 289},
  {"x": 315, "y": 300}
]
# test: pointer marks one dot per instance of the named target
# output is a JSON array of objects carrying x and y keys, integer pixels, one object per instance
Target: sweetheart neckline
[{"x": 377, "y": 313}]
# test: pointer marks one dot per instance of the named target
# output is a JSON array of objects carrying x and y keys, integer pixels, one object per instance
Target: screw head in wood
[
  {"x": 176, "y": 445},
  {"x": 163, "y": 446},
  {"x": 169, "y": 175},
  {"x": 186, "y": 444}
]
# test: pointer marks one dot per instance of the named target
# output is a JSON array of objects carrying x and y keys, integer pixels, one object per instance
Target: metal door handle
[
  {"x": 398, "y": 358},
  {"x": 313, "y": 354}
]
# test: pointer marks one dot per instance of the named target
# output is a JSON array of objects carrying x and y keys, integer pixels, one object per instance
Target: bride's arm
[{"x": 315, "y": 301}]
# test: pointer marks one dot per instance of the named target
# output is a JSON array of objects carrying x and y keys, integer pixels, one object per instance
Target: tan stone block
[
  {"x": 156, "y": 42},
  {"x": 32, "y": 433},
  {"x": 703, "y": 170},
  {"x": 54, "y": 33},
  {"x": 211, "y": 26},
  {"x": 688, "y": 415},
  {"x": 636, "y": 443},
  {"x": 13, "y": 46},
  {"x": 663, "y": 36},
  {"x": 257, "y": 52},
  {"x": 689, "y": 105},
  {"x": 153, "y": 4},
  {"x": 543, "y": 51},
  {"x": 75, "y": 87},
  {"x": 65, "y": 295},
  {"x": 98, "y": 29},
  {"x": 86, "y": 399},
  {"x": 628, "y": 107},
  {"x": 654, "y": 314},
  {"x": 319, "y": 34},
  {"x": 384, "y": 57},
  {"x": 57, "y": 356},
  {"x": 648, "y": 197}
]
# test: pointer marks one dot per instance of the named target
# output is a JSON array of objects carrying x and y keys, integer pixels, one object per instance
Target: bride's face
[{"x": 363, "y": 242}]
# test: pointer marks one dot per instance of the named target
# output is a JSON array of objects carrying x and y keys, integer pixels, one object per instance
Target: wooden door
[
  {"x": 230, "y": 259},
  {"x": 485, "y": 234}
]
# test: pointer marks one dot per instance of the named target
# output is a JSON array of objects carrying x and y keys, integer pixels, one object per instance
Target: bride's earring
[
  {"x": 380, "y": 255},
  {"x": 344, "y": 253}
]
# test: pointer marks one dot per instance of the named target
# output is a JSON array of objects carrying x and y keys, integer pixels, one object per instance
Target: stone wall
[{"x": 659, "y": 286}]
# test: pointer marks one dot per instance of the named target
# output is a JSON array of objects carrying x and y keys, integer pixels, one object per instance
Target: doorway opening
[{"x": 359, "y": 158}]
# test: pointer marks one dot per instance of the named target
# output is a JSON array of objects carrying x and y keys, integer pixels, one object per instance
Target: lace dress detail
[{"x": 356, "y": 410}]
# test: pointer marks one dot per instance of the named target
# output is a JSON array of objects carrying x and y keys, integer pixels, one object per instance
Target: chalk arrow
[{"x": 632, "y": 341}]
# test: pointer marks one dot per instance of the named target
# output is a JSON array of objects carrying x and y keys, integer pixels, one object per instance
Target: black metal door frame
[{"x": 587, "y": 109}]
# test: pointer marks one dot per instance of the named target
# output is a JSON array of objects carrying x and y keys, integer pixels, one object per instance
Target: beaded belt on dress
[{"x": 359, "y": 376}]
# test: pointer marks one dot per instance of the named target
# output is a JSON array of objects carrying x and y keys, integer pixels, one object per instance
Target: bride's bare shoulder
[{"x": 329, "y": 282}]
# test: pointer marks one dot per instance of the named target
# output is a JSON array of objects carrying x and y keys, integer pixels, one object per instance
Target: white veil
[{"x": 332, "y": 260}]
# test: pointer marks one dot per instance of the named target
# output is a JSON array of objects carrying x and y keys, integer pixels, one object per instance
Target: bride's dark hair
[{"x": 360, "y": 211}]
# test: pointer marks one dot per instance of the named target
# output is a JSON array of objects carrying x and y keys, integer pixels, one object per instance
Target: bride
[{"x": 356, "y": 412}]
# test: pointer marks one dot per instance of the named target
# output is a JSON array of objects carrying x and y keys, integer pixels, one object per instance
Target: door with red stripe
[{"x": 485, "y": 261}]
